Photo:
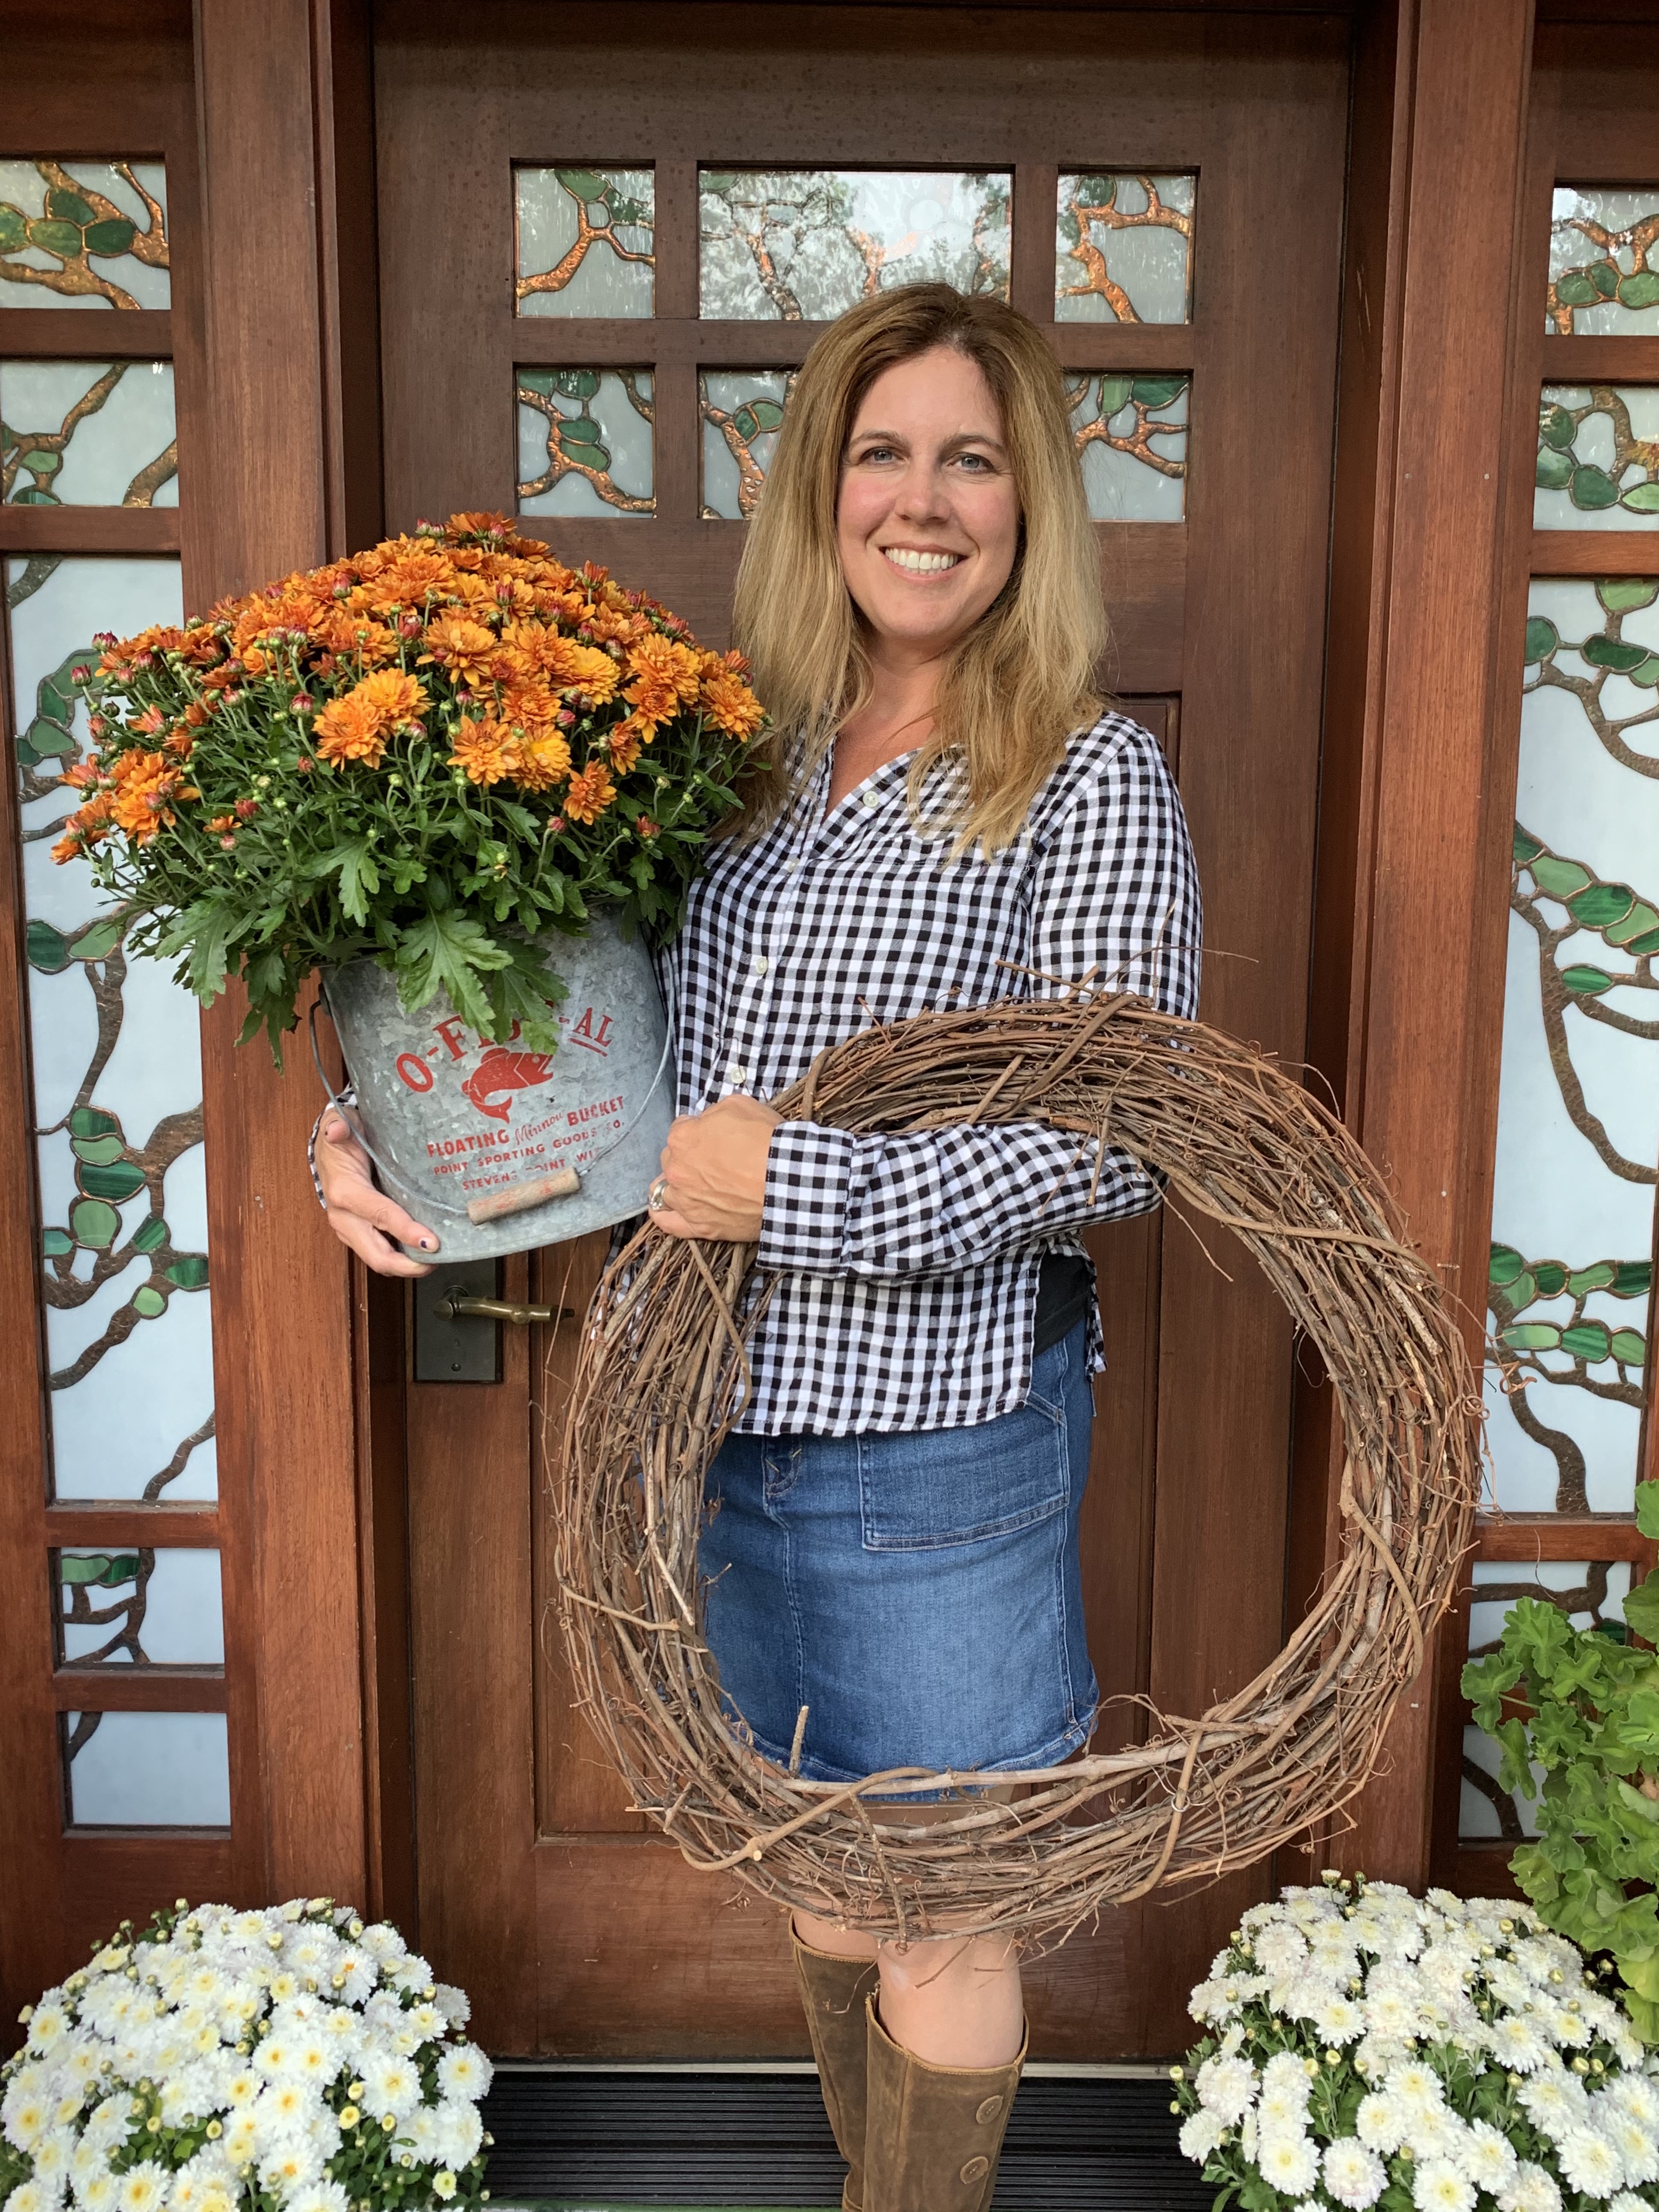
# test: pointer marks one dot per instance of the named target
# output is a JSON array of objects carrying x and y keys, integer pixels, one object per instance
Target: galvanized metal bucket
[{"x": 498, "y": 1149}]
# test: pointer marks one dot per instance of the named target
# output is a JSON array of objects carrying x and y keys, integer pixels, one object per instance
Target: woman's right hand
[{"x": 360, "y": 1213}]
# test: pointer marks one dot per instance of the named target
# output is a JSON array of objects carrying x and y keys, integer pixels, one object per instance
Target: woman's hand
[
  {"x": 712, "y": 1182},
  {"x": 361, "y": 1216}
]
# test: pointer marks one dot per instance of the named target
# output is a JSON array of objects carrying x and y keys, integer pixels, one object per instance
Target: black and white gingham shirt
[{"x": 907, "y": 1265}]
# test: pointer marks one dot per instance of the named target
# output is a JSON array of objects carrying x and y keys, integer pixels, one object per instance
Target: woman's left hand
[{"x": 712, "y": 1182}]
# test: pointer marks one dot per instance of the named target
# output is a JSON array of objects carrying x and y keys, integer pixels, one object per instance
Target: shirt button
[
  {"x": 760, "y": 963},
  {"x": 871, "y": 800},
  {"x": 736, "y": 1071}
]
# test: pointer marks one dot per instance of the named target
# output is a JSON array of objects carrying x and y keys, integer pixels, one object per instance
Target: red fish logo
[{"x": 499, "y": 1074}]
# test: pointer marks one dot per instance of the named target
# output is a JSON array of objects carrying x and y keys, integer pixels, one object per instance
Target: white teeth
[{"x": 920, "y": 564}]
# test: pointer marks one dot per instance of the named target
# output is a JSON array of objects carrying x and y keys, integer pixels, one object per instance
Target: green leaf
[
  {"x": 1556, "y": 425},
  {"x": 14, "y": 227},
  {"x": 100, "y": 1151},
  {"x": 83, "y": 1569},
  {"x": 120, "y": 1181},
  {"x": 1560, "y": 878},
  {"x": 586, "y": 457},
  {"x": 1573, "y": 288},
  {"x": 1604, "y": 274},
  {"x": 1598, "y": 1276},
  {"x": 359, "y": 877},
  {"x": 66, "y": 205},
  {"x": 63, "y": 238},
  {"x": 1554, "y": 471},
  {"x": 1639, "y": 289},
  {"x": 1505, "y": 1266},
  {"x": 95, "y": 1225},
  {"x": 575, "y": 383},
  {"x": 1114, "y": 394},
  {"x": 757, "y": 417},
  {"x": 1630, "y": 1348},
  {"x": 91, "y": 1122},
  {"x": 1623, "y": 595},
  {"x": 1526, "y": 847},
  {"x": 100, "y": 940},
  {"x": 580, "y": 429},
  {"x": 1585, "y": 981},
  {"x": 1532, "y": 1336},
  {"x": 449, "y": 952},
  {"x": 1644, "y": 945},
  {"x": 1642, "y": 499},
  {"x": 1551, "y": 1277},
  {"x": 46, "y": 948},
  {"x": 1640, "y": 921},
  {"x": 149, "y": 1302},
  {"x": 1613, "y": 652},
  {"x": 1632, "y": 1279},
  {"x": 1641, "y": 1609},
  {"x": 151, "y": 1235},
  {"x": 188, "y": 1271},
  {"x": 57, "y": 1244},
  {"x": 582, "y": 184},
  {"x": 1586, "y": 1339},
  {"x": 1543, "y": 638},
  {"x": 1592, "y": 487},
  {"x": 1601, "y": 904},
  {"x": 536, "y": 379},
  {"x": 1157, "y": 390},
  {"x": 113, "y": 236}
]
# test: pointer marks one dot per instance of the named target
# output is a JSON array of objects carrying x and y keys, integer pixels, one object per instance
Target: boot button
[
  {"x": 988, "y": 2111},
  {"x": 975, "y": 2169}
]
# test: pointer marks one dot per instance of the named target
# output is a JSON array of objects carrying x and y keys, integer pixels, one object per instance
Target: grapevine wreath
[{"x": 660, "y": 1371}]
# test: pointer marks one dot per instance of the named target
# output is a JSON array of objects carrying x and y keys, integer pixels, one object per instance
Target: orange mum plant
[{"x": 430, "y": 754}]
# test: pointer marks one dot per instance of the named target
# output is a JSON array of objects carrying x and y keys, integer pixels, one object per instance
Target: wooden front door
[{"x": 605, "y": 242}]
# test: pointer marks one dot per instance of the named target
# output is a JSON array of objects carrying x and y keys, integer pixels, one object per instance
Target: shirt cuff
[{"x": 809, "y": 1172}]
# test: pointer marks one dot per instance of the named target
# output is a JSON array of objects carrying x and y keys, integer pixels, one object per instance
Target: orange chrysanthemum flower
[
  {"x": 406, "y": 582},
  {"x": 589, "y": 794},
  {"x": 666, "y": 677},
  {"x": 624, "y": 744},
  {"x": 485, "y": 748},
  {"x": 144, "y": 783},
  {"x": 350, "y": 729},
  {"x": 462, "y": 647},
  {"x": 391, "y": 696},
  {"x": 543, "y": 760},
  {"x": 730, "y": 705}
]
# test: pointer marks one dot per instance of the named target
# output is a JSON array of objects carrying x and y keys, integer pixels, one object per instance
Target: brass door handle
[{"x": 455, "y": 1307}]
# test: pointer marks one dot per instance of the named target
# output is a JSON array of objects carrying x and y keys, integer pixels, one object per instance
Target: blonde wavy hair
[{"x": 1024, "y": 677}]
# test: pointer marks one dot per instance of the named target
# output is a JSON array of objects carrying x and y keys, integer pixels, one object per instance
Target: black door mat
[{"x": 632, "y": 2138}]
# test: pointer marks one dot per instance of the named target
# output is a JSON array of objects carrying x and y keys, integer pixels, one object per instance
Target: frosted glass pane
[
  {"x": 1598, "y": 457},
  {"x": 585, "y": 441},
  {"x": 585, "y": 241},
  {"x": 1579, "y": 1110},
  {"x": 129, "y": 1607},
  {"x": 794, "y": 245},
  {"x": 1592, "y": 1594},
  {"x": 1124, "y": 249},
  {"x": 742, "y": 410},
  {"x": 1131, "y": 434},
  {"x": 118, "y": 1090},
  {"x": 87, "y": 434},
  {"x": 83, "y": 234},
  {"x": 148, "y": 1769},
  {"x": 1604, "y": 270}
]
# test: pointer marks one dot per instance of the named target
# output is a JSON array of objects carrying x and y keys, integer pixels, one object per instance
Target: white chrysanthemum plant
[
  {"x": 289, "y": 2060},
  {"x": 1368, "y": 2047}
]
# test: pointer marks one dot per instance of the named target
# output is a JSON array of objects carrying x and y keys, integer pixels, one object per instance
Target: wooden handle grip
[{"x": 520, "y": 1197}]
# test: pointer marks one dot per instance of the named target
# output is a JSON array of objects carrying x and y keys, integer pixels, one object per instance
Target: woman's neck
[{"x": 893, "y": 720}]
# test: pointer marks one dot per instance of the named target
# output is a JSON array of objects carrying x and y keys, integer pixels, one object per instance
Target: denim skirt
[{"x": 918, "y": 1593}]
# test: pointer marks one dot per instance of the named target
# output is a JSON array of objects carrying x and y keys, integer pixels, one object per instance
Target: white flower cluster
[
  {"x": 244, "y": 2062},
  {"x": 1452, "y": 2053}
]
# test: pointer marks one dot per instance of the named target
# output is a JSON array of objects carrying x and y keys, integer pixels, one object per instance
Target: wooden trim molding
[
  {"x": 85, "y": 334},
  {"x": 89, "y": 529}
]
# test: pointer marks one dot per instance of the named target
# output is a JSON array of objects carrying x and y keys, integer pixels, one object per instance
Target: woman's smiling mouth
[{"x": 916, "y": 562}]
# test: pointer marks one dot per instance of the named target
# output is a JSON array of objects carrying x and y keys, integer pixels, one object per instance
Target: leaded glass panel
[
  {"x": 1604, "y": 273},
  {"x": 794, "y": 245},
  {"x": 585, "y": 441},
  {"x": 147, "y": 1770},
  {"x": 117, "y": 1089},
  {"x": 1578, "y": 1114},
  {"x": 1131, "y": 434},
  {"x": 1592, "y": 1596},
  {"x": 742, "y": 411},
  {"x": 1598, "y": 457},
  {"x": 156, "y": 1606},
  {"x": 585, "y": 241},
  {"x": 1123, "y": 248},
  {"x": 83, "y": 234},
  {"x": 70, "y": 432}
]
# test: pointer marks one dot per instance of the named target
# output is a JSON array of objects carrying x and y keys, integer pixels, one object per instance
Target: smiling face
[{"x": 928, "y": 517}]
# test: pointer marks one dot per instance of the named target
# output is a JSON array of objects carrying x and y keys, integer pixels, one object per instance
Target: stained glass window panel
[
  {"x": 147, "y": 1770},
  {"x": 742, "y": 412},
  {"x": 1123, "y": 248},
  {"x": 117, "y": 1087},
  {"x": 585, "y": 241},
  {"x": 1592, "y": 1596},
  {"x": 83, "y": 234},
  {"x": 1578, "y": 1114},
  {"x": 1598, "y": 457},
  {"x": 585, "y": 441},
  {"x": 162, "y": 1607},
  {"x": 1131, "y": 434},
  {"x": 1604, "y": 268},
  {"x": 70, "y": 432},
  {"x": 794, "y": 245}
]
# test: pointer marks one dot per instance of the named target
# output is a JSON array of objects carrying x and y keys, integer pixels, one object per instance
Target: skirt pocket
[{"x": 927, "y": 1490}]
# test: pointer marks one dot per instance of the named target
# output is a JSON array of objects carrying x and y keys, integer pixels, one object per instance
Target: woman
[{"x": 946, "y": 817}]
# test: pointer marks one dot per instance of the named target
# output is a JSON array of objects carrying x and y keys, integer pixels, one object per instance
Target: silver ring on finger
[{"x": 659, "y": 1195}]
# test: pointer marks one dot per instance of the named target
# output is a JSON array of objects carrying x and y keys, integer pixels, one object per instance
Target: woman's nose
[{"x": 921, "y": 495}]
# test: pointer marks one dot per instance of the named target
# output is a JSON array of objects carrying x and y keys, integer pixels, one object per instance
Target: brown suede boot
[
  {"x": 834, "y": 1992},
  {"x": 933, "y": 2134}
]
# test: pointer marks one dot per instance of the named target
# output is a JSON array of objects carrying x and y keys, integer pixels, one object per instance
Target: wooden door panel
[{"x": 583, "y": 1934}]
